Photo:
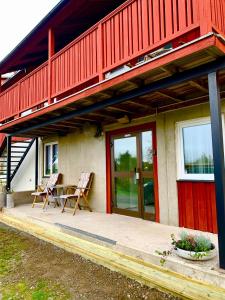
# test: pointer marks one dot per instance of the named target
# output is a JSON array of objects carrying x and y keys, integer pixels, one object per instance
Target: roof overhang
[{"x": 69, "y": 18}]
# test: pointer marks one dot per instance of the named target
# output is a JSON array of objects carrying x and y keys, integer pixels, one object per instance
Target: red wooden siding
[
  {"x": 75, "y": 64},
  {"x": 197, "y": 205},
  {"x": 218, "y": 14},
  {"x": 34, "y": 88},
  {"x": 137, "y": 27},
  {"x": 143, "y": 25},
  {"x": 28, "y": 92}
]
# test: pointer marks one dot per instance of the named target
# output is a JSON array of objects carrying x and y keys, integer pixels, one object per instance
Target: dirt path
[{"x": 32, "y": 269}]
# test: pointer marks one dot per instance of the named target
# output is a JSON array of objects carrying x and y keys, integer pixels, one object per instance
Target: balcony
[{"x": 128, "y": 36}]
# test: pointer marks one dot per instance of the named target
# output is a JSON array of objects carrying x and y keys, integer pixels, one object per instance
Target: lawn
[{"x": 31, "y": 269}]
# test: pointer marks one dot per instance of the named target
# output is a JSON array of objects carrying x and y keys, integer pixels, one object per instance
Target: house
[{"x": 123, "y": 90}]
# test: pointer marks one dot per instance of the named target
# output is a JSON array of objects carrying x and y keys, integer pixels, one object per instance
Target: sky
[{"x": 18, "y": 18}]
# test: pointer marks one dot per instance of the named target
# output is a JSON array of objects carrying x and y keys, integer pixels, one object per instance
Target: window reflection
[
  {"x": 125, "y": 154},
  {"x": 197, "y": 144},
  {"x": 147, "y": 161}
]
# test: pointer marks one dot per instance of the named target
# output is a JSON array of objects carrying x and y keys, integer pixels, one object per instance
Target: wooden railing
[{"x": 136, "y": 28}]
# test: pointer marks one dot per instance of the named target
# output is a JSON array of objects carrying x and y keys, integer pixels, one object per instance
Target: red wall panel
[{"x": 197, "y": 205}]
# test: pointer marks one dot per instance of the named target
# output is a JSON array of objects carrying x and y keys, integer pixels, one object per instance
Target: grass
[
  {"x": 43, "y": 290},
  {"x": 12, "y": 247}
]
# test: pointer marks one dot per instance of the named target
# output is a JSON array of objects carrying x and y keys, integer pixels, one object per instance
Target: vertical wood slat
[
  {"x": 80, "y": 59},
  {"x": 197, "y": 205},
  {"x": 217, "y": 14},
  {"x": 141, "y": 24}
]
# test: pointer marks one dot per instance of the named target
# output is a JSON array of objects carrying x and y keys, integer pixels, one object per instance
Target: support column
[
  {"x": 36, "y": 162},
  {"x": 218, "y": 157},
  {"x": 8, "y": 178},
  {"x": 51, "y": 52}
]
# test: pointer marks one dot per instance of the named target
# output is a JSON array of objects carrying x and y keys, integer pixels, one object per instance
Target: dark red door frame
[{"x": 133, "y": 129}]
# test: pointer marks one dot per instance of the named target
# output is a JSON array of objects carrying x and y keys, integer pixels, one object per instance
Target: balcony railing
[{"x": 136, "y": 28}]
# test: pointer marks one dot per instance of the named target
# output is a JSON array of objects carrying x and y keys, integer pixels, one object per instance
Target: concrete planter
[
  {"x": 9, "y": 201},
  {"x": 2, "y": 200},
  {"x": 196, "y": 256}
]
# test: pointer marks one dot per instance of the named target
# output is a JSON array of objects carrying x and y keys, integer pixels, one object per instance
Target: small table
[{"x": 62, "y": 189}]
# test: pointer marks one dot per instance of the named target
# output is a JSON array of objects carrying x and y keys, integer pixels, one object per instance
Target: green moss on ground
[
  {"x": 42, "y": 290},
  {"x": 12, "y": 247}
]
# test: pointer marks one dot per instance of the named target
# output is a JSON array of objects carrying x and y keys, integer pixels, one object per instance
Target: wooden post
[
  {"x": 100, "y": 52},
  {"x": 218, "y": 157},
  {"x": 51, "y": 52}
]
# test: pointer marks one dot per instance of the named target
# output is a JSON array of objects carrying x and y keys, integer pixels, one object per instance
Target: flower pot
[
  {"x": 196, "y": 256},
  {"x": 9, "y": 201},
  {"x": 2, "y": 200}
]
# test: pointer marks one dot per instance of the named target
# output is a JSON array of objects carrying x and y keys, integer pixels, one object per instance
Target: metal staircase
[{"x": 12, "y": 158}]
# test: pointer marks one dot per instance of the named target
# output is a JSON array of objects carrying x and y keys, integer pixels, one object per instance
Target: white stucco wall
[
  {"x": 24, "y": 179},
  {"x": 82, "y": 152}
]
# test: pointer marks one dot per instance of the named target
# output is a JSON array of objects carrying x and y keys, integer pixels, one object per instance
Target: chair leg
[
  {"x": 76, "y": 205},
  {"x": 64, "y": 205},
  {"x": 35, "y": 198},
  {"x": 87, "y": 203},
  {"x": 45, "y": 198}
]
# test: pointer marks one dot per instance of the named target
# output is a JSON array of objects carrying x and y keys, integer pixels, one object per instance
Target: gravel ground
[{"x": 26, "y": 261}]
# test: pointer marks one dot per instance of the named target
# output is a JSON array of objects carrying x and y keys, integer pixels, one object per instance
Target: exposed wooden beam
[
  {"x": 199, "y": 86},
  {"x": 170, "y": 96}
]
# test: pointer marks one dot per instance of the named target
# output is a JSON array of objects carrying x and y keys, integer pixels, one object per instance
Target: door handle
[{"x": 137, "y": 174}]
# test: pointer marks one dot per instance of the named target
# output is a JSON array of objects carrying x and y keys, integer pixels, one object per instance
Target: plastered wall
[{"x": 83, "y": 152}]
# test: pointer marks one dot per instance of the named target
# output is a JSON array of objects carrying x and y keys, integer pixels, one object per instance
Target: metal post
[
  {"x": 218, "y": 157},
  {"x": 8, "y": 179},
  {"x": 36, "y": 162}
]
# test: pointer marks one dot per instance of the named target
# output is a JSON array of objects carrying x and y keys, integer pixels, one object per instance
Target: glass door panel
[
  {"x": 125, "y": 164},
  {"x": 125, "y": 154},
  {"x": 126, "y": 193},
  {"x": 147, "y": 186},
  {"x": 147, "y": 151},
  {"x": 133, "y": 186}
]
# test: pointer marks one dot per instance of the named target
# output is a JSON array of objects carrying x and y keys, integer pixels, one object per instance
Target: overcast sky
[{"x": 18, "y": 18}]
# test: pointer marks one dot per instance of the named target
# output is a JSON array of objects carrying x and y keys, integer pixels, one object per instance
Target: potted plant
[
  {"x": 9, "y": 199},
  {"x": 2, "y": 194},
  {"x": 193, "y": 247}
]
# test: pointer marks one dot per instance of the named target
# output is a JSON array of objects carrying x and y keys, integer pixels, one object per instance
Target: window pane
[
  {"x": 149, "y": 199},
  {"x": 55, "y": 159},
  {"x": 47, "y": 160},
  {"x": 198, "y": 157},
  {"x": 126, "y": 193},
  {"x": 125, "y": 154},
  {"x": 147, "y": 159}
]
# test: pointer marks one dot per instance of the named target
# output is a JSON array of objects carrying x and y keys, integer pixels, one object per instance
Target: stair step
[
  {"x": 22, "y": 152},
  {"x": 16, "y": 146},
  {"x": 11, "y": 156}
]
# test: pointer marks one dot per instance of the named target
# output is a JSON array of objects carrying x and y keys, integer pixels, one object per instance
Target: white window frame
[
  {"x": 180, "y": 149},
  {"x": 51, "y": 151}
]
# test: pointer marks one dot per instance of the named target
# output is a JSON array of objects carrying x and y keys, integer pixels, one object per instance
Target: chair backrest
[
  {"x": 53, "y": 180},
  {"x": 84, "y": 183}
]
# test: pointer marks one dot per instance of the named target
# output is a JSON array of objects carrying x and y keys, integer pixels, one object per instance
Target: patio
[{"x": 136, "y": 238}]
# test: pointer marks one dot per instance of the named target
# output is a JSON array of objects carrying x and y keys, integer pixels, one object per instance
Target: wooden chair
[
  {"x": 81, "y": 192},
  {"x": 46, "y": 191}
]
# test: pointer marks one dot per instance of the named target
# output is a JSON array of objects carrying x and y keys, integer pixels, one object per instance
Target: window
[
  {"x": 50, "y": 159},
  {"x": 194, "y": 150}
]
